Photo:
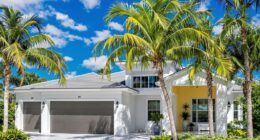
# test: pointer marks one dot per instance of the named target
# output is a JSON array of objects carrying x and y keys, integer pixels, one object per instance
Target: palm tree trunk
[
  {"x": 247, "y": 87},
  {"x": 210, "y": 102},
  {"x": 167, "y": 100},
  {"x": 7, "y": 75}
]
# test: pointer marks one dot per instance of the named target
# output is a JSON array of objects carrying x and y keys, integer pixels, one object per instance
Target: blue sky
[{"x": 76, "y": 25}]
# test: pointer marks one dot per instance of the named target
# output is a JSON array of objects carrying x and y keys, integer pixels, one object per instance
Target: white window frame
[
  {"x": 235, "y": 103},
  {"x": 140, "y": 84},
  {"x": 147, "y": 107},
  {"x": 197, "y": 118}
]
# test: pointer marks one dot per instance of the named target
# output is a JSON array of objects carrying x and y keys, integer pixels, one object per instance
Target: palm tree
[
  {"x": 234, "y": 48},
  {"x": 157, "y": 31},
  {"x": 239, "y": 9},
  {"x": 29, "y": 78},
  {"x": 212, "y": 62},
  {"x": 19, "y": 47}
]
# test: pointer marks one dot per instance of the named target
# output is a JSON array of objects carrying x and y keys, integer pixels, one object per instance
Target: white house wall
[
  {"x": 128, "y": 102},
  {"x": 141, "y": 105}
]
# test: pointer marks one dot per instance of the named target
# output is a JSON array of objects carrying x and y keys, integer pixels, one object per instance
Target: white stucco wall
[
  {"x": 128, "y": 102},
  {"x": 141, "y": 107}
]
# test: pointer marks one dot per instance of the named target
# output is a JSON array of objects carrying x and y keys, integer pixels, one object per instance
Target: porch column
[
  {"x": 19, "y": 115},
  {"x": 45, "y": 117},
  {"x": 221, "y": 109}
]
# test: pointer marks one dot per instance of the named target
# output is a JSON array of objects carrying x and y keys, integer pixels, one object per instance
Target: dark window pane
[
  {"x": 136, "y": 82},
  {"x": 144, "y": 82},
  {"x": 194, "y": 116},
  {"x": 152, "y": 81},
  {"x": 202, "y": 116},
  {"x": 194, "y": 104},
  {"x": 236, "y": 115},
  {"x": 203, "y": 104}
]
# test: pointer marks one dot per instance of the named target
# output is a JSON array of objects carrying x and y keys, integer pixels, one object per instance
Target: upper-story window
[{"x": 145, "y": 81}]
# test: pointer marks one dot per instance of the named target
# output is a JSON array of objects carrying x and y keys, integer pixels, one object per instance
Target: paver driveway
[{"x": 136, "y": 136}]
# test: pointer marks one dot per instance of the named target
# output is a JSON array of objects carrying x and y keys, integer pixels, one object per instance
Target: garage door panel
[
  {"x": 32, "y": 116},
  {"x": 82, "y": 117}
]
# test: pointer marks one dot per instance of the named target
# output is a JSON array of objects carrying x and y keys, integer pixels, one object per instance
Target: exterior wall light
[
  {"x": 43, "y": 104},
  {"x": 117, "y": 104},
  {"x": 229, "y": 104}
]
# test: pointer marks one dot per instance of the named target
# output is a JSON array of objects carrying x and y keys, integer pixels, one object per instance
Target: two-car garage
[{"x": 81, "y": 117}]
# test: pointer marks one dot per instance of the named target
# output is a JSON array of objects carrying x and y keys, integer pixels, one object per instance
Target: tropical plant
[
  {"x": 156, "y": 117},
  {"x": 217, "y": 64},
  {"x": 14, "y": 134},
  {"x": 256, "y": 108},
  {"x": 239, "y": 10},
  {"x": 158, "y": 31},
  {"x": 185, "y": 114},
  {"x": 19, "y": 47},
  {"x": 29, "y": 78}
]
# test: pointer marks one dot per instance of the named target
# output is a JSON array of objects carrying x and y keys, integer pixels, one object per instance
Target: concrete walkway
[{"x": 135, "y": 136}]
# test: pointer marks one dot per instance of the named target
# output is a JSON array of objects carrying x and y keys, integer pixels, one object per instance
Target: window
[
  {"x": 136, "y": 82},
  {"x": 153, "y": 107},
  {"x": 145, "y": 81},
  {"x": 200, "y": 110},
  {"x": 235, "y": 110},
  {"x": 152, "y": 81}
]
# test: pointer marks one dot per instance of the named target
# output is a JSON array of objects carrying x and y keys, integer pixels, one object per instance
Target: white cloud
[
  {"x": 204, "y": 5},
  {"x": 256, "y": 20},
  {"x": 60, "y": 37},
  {"x": 95, "y": 63},
  {"x": 116, "y": 26},
  {"x": 68, "y": 58},
  {"x": 1, "y": 59},
  {"x": 217, "y": 29},
  {"x": 100, "y": 36},
  {"x": 20, "y": 4},
  {"x": 66, "y": 21},
  {"x": 87, "y": 41},
  {"x": 71, "y": 74},
  {"x": 90, "y": 4}
]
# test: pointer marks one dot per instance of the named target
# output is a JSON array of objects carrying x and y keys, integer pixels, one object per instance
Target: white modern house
[{"x": 89, "y": 104}]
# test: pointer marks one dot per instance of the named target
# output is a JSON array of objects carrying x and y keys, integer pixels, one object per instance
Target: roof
[
  {"x": 184, "y": 71},
  {"x": 86, "y": 81}
]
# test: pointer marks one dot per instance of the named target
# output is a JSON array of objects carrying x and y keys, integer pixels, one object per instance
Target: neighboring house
[{"x": 90, "y": 104}]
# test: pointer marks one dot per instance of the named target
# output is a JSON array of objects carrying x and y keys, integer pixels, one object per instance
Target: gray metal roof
[{"x": 86, "y": 81}]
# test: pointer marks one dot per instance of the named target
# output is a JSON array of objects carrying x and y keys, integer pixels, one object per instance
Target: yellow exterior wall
[{"x": 184, "y": 95}]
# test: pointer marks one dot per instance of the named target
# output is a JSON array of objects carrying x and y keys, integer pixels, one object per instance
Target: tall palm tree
[
  {"x": 239, "y": 9},
  {"x": 19, "y": 47},
  {"x": 234, "y": 48},
  {"x": 212, "y": 62},
  {"x": 157, "y": 31}
]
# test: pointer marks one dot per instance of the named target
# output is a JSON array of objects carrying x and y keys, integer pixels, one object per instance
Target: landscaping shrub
[
  {"x": 185, "y": 136},
  {"x": 14, "y": 134},
  {"x": 188, "y": 136},
  {"x": 11, "y": 115},
  {"x": 161, "y": 138},
  {"x": 236, "y": 133}
]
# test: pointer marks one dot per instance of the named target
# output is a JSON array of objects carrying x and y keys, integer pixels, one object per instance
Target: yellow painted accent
[{"x": 184, "y": 95}]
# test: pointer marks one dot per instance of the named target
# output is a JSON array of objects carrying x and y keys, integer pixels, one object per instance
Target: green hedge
[
  {"x": 188, "y": 136},
  {"x": 11, "y": 115},
  {"x": 13, "y": 134}
]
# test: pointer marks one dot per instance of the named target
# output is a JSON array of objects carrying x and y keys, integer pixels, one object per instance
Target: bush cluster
[
  {"x": 189, "y": 136},
  {"x": 14, "y": 134}
]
